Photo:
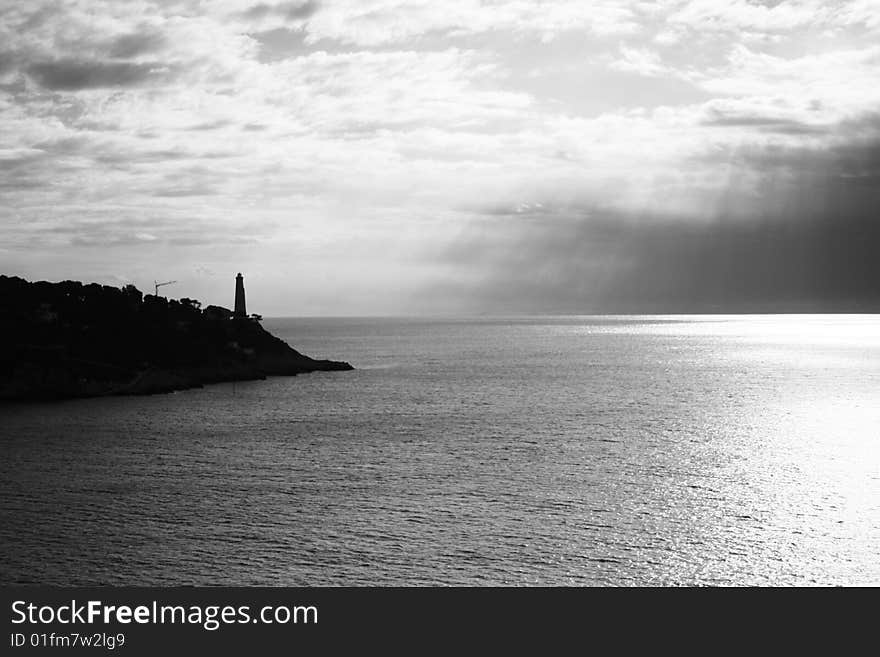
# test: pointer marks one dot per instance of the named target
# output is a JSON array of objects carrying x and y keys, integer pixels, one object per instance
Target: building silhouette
[{"x": 240, "y": 310}]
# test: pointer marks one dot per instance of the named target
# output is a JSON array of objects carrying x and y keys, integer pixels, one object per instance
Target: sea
[{"x": 512, "y": 451}]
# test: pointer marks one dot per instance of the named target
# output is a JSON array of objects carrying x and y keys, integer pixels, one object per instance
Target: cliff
[{"x": 61, "y": 340}]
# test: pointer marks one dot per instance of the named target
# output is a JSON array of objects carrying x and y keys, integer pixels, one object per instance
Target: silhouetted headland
[{"x": 62, "y": 340}]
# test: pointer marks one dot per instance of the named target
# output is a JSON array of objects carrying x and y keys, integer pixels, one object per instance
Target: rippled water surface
[{"x": 552, "y": 450}]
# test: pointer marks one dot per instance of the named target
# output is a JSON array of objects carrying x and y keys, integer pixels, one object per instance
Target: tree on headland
[{"x": 68, "y": 339}]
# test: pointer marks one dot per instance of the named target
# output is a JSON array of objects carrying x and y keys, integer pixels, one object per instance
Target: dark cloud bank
[
  {"x": 72, "y": 74},
  {"x": 288, "y": 10},
  {"x": 814, "y": 248}
]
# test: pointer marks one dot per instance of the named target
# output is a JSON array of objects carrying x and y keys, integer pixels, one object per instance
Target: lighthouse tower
[{"x": 240, "y": 310}]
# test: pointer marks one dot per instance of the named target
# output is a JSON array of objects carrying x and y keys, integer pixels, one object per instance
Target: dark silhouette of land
[{"x": 61, "y": 340}]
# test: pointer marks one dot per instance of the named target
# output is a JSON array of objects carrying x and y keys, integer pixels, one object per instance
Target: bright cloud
[{"x": 336, "y": 149}]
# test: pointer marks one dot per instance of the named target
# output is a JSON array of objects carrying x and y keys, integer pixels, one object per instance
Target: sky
[{"x": 371, "y": 157}]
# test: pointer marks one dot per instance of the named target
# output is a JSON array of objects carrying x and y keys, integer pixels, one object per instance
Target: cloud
[
  {"x": 768, "y": 124},
  {"x": 421, "y": 142},
  {"x": 767, "y": 118},
  {"x": 291, "y": 11},
  {"x": 376, "y": 22},
  {"x": 849, "y": 154},
  {"x": 793, "y": 230},
  {"x": 7, "y": 62},
  {"x": 193, "y": 190},
  {"x": 839, "y": 78},
  {"x": 74, "y": 75},
  {"x": 127, "y": 46},
  {"x": 783, "y": 16},
  {"x": 745, "y": 14},
  {"x": 811, "y": 254},
  {"x": 641, "y": 61}
]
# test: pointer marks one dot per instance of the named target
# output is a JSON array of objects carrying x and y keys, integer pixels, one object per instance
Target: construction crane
[{"x": 158, "y": 285}]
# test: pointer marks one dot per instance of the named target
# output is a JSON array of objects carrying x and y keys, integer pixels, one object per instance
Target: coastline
[
  {"x": 55, "y": 383},
  {"x": 68, "y": 340}
]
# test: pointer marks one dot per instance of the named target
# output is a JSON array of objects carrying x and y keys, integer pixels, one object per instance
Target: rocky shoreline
[{"x": 61, "y": 381}]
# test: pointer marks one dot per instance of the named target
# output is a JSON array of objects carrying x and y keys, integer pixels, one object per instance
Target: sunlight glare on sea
[{"x": 517, "y": 451}]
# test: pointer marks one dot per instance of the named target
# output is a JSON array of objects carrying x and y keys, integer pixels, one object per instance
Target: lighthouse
[{"x": 240, "y": 310}]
